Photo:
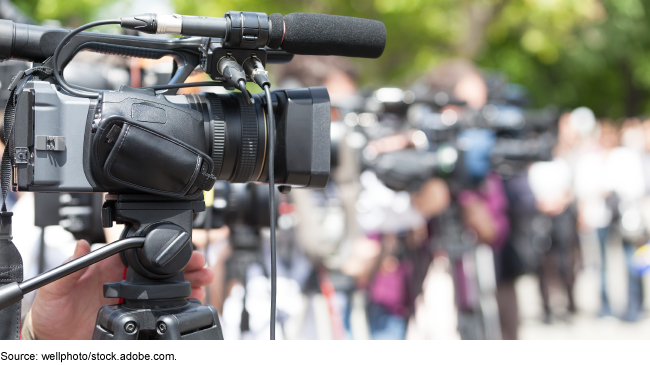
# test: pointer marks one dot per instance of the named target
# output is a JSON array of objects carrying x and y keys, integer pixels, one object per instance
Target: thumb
[{"x": 65, "y": 284}]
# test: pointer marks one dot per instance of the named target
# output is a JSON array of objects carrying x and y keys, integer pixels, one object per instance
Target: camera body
[
  {"x": 136, "y": 141},
  {"x": 236, "y": 204}
]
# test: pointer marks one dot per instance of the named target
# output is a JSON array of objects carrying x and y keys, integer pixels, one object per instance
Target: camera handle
[
  {"x": 185, "y": 52},
  {"x": 186, "y": 61}
]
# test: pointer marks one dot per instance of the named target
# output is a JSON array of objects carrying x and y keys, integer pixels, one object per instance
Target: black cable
[
  {"x": 76, "y": 90},
  {"x": 271, "y": 138}
]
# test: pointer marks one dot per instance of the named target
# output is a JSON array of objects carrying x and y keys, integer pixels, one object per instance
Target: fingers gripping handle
[{"x": 14, "y": 292}]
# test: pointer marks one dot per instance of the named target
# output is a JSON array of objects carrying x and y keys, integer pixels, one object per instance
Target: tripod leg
[{"x": 544, "y": 290}]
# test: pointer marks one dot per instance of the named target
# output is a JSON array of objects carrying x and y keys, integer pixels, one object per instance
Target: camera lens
[{"x": 235, "y": 135}]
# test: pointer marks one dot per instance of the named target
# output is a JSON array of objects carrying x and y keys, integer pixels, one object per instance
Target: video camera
[
  {"x": 235, "y": 204},
  {"x": 452, "y": 141},
  {"x": 155, "y": 152},
  {"x": 65, "y": 138}
]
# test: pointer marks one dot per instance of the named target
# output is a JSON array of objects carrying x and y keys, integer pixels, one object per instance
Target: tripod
[
  {"x": 155, "y": 292},
  {"x": 155, "y": 247},
  {"x": 246, "y": 243},
  {"x": 473, "y": 277}
]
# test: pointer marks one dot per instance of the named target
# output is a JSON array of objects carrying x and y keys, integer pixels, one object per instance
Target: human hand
[
  {"x": 67, "y": 308},
  {"x": 477, "y": 216},
  {"x": 433, "y": 198}
]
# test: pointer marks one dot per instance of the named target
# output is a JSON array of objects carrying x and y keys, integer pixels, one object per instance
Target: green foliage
[
  {"x": 580, "y": 52},
  {"x": 566, "y": 52},
  {"x": 70, "y": 12}
]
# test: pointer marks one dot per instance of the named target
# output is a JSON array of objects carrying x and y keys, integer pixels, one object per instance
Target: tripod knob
[
  {"x": 163, "y": 244},
  {"x": 166, "y": 251}
]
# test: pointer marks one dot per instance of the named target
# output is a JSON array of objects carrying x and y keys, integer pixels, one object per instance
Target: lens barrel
[
  {"x": 235, "y": 132},
  {"x": 238, "y": 146},
  {"x": 237, "y": 137}
]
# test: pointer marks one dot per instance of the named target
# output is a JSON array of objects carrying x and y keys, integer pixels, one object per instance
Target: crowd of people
[
  {"x": 363, "y": 259},
  {"x": 417, "y": 278}
]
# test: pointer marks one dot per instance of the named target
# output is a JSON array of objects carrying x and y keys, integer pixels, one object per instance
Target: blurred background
[
  {"x": 490, "y": 174},
  {"x": 566, "y": 52}
]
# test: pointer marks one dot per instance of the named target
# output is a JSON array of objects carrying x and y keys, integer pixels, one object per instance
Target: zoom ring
[
  {"x": 218, "y": 132},
  {"x": 249, "y": 135}
]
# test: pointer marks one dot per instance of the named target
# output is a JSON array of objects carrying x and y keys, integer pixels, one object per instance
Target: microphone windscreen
[
  {"x": 333, "y": 35},
  {"x": 277, "y": 31}
]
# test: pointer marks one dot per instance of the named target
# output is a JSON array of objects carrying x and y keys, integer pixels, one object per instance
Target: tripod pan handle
[{"x": 14, "y": 292}]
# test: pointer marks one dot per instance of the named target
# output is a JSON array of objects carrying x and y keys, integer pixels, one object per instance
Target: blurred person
[
  {"x": 337, "y": 74},
  {"x": 391, "y": 258},
  {"x": 326, "y": 224},
  {"x": 634, "y": 209},
  {"x": 458, "y": 78},
  {"x": 399, "y": 261},
  {"x": 576, "y": 135},
  {"x": 563, "y": 208},
  {"x": 553, "y": 229},
  {"x": 630, "y": 188},
  {"x": 483, "y": 207},
  {"x": 518, "y": 255},
  {"x": 610, "y": 185},
  {"x": 641, "y": 252},
  {"x": 597, "y": 203}
]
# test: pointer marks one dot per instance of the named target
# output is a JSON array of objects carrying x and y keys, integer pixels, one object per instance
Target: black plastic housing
[{"x": 302, "y": 156}]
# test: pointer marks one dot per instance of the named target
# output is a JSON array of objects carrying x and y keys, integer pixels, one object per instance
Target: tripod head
[
  {"x": 155, "y": 286},
  {"x": 155, "y": 247}
]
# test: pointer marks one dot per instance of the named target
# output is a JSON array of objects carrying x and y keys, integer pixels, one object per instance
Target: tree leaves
[{"x": 566, "y": 52}]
